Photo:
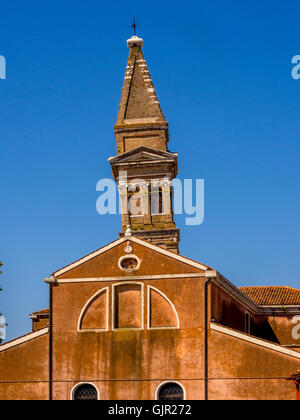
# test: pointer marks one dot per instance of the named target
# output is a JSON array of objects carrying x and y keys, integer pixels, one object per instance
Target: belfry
[{"x": 144, "y": 167}]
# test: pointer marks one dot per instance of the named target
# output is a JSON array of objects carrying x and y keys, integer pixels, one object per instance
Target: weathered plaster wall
[
  {"x": 24, "y": 371},
  {"x": 242, "y": 370},
  {"x": 129, "y": 363}
]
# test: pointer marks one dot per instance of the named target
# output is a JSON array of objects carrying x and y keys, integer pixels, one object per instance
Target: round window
[{"x": 129, "y": 263}]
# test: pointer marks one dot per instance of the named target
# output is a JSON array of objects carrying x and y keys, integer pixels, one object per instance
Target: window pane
[
  {"x": 171, "y": 391},
  {"x": 85, "y": 393}
]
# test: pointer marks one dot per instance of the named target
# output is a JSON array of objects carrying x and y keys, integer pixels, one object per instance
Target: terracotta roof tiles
[
  {"x": 273, "y": 295},
  {"x": 43, "y": 312}
]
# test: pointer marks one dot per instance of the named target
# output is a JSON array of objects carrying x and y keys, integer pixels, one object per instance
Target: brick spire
[
  {"x": 139, "y": 102},
  {"x": 140, "y": 119},
  {"x": 142, "y": 136}
]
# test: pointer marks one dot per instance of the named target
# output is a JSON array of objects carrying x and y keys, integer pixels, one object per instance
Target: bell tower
[{"x": 144, "y": 168}]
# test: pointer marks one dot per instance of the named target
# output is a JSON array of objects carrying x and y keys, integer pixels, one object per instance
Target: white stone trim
[
  {"x": 138, "y": 241},
  {"x": 120, "y": 278},
  {"x": 159, "y": 214},
  {"x": 169, "y": 382},
  {"x": 80, "y": 330},
  {"x": 149, "y": 306},
  {"x": 88, "y": 257},
  {"x": 24, "y": 339},
  {"x": 291, "y": 307},
  {"x": 254, "y": 340},
  {"x": 83, "y": 383},
  {"x": 169, "y": 254},
  {"x": 142, "y": 306}
]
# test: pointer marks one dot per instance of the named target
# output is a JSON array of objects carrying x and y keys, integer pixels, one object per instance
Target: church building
[{"x": 135, "y": 319}]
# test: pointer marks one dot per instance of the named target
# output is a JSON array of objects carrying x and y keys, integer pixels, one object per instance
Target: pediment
[
  {"x": 154, "y": 262},
  {"x": 142, "y": 154}
]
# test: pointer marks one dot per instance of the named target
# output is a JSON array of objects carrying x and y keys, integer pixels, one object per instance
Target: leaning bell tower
[{"x": 143, "y": 167}]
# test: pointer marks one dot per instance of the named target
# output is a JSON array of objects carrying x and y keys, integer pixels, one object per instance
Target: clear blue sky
[{"x": 222, "y": 71}]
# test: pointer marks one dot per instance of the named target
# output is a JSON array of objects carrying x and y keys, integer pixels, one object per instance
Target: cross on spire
[{"x": 134, "y": 26}]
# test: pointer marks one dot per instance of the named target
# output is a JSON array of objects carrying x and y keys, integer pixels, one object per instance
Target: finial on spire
[
  {"x": 134, "y": 26},
  {"x": 134, "y": 41}
]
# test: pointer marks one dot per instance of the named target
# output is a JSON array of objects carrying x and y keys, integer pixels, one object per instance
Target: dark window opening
[
  {"x": 160, "y": 201},
  {"x": 171, "y": 391},
  {"x": 157, "y": 201},
  {"x": 85, "y": 392},
  {"x": 129, "y": 263}
]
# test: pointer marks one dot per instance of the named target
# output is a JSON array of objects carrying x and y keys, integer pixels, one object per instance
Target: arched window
[
  {"x": 170, "y": 391},
  {"x": 85, "y": 392}
]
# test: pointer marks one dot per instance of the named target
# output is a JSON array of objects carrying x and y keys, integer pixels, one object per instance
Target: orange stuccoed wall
[
  {"x": 128, "y": 332},
  {"x": 24, "y": 371},
  {"x": 127, "y": 363}
]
